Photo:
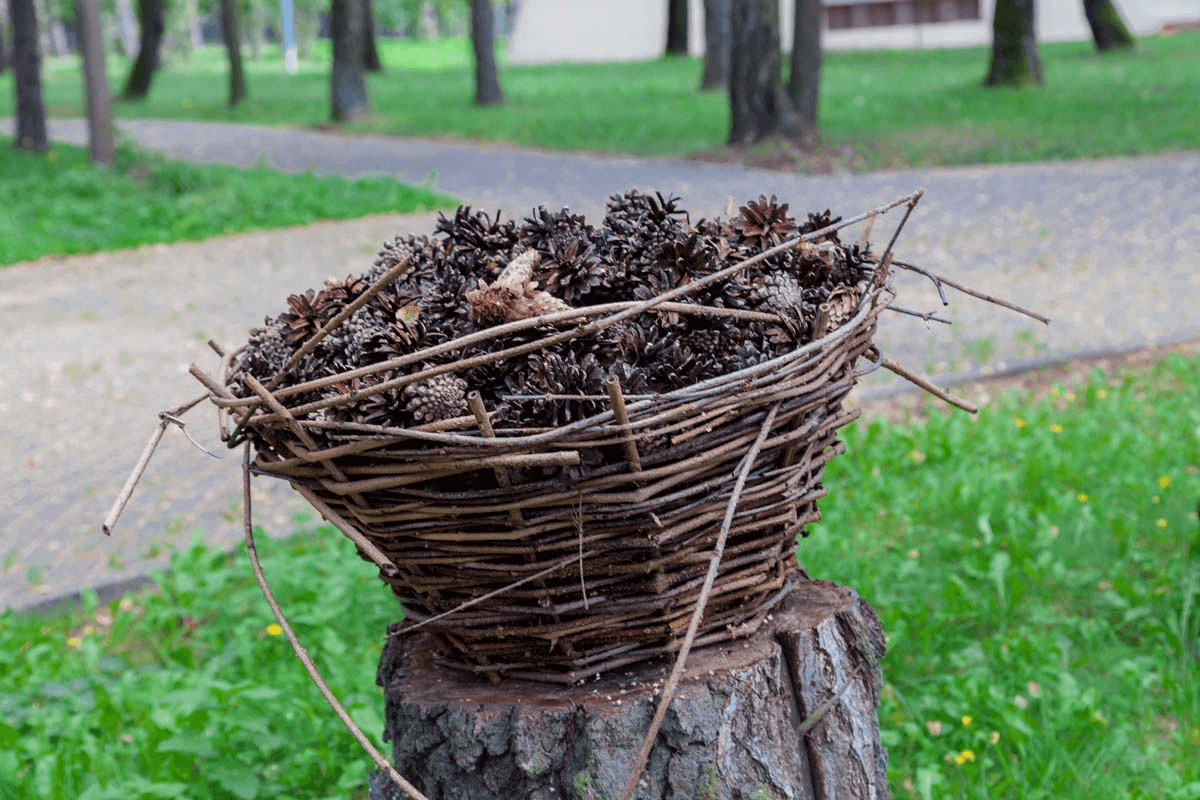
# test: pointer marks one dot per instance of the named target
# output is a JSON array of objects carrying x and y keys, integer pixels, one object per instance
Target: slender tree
[
  {"x": 31, "y": 110},
  {"x": 1109, "y": 31},
  {"x": 95, "y": 81},
  {"x": 804, "y": 85},
  {"x": 371, "y": 62},
  {"x": 677, "y": 27},
  {"x": 348, "y": 85},
  {"x": 4, "y": 29},
  {"x": 1015, "y": 60},
  {"x": 231, "y": 33},
  {"x": 716, "y": 45},
  {"x": 151, "y": 24},
  {"x": 487, "y": 81},
  {"x": 758, "y": 105}
]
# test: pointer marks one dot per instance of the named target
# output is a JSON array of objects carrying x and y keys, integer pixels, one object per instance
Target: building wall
[{"x": 546, "y": 31}]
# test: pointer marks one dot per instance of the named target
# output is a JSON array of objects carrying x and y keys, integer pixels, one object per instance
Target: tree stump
[{"x": 789, "y": 712}]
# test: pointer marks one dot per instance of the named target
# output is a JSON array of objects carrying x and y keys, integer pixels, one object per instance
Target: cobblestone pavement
[{"x": 96, "y": 345}]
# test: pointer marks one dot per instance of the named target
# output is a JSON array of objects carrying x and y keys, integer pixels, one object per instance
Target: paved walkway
[{"x": 96, "y": 345}]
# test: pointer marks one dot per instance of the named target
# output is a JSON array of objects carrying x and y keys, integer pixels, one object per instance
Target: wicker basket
[{"x": 608, "y": 564}]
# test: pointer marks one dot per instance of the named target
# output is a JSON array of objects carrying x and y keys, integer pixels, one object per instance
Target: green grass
[
  {"x": 878, "y": 109},
  {"x": 1031, "y": 567},
  {"x": 59, "y": 203}
]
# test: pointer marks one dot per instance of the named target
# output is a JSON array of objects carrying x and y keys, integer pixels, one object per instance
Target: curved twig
[{"x": 301, "y": 654}]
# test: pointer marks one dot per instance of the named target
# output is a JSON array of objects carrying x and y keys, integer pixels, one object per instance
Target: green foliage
[
  {"x": 1036, "y": 569},
  {"x": 888, "y": 108},
  {"x": 59, "y": 203},
  {"x": 1037, "y": 572},
  {"x": 188, "y": 690}
]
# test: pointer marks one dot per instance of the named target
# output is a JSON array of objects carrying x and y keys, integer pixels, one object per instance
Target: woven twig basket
[{"x": 608, "y": 565}]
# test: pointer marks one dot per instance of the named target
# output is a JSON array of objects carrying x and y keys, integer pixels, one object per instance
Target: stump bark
[{"x": 789, "y": 712}]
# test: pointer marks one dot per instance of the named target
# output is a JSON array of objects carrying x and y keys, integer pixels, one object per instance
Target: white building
[{"x": 546, "y": 31}]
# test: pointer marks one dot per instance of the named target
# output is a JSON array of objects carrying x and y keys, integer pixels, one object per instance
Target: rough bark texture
[
  {"x": 804, "y": 86},
  {"x": 348, "y": 86},
  {"x": 1015, "y": 60},
  {"x": 677, "y": 27},
  {"x": 95, "y": 78},
  {"x": 31, "y": 110},
  {"x": 1108, "y": 29},
  {"x": 487, "y": 81},
  {"x": 716, "y": 44},
  {"x": 733, "y": 731},
  {"x": 371, "y": 62},
  {"x": 151, "y": 24},
  {"x": 231, "y": 33},
  {"x": 757, "y": 103}
]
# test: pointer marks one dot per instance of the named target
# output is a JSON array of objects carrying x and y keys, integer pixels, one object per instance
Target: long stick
[
  {"x": 917, "y": 380},
  {"x": 376, "y": 756},
  {"x": 714, "y": 563},
  {"x": 164, "y": 419},
  {"x": 973, "y": 293}
]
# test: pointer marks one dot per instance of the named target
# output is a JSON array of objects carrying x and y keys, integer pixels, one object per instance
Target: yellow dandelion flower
[
  {"x": 1055, "y": 391},
  {"x": 967, "y": 719},
  {"x": 1164, "y": 481},
  {"x": 1056, "y": 428},
  {"x": 1069, "y": 397},
  {"x": 274, "y": 630},
  {"x": 1020, "y": 423},
  {"x": 74, "y": 641},
  {"x": 964, "y": 757},
  {"x": 1082, "y": 497},
  {"x": 1102, "y": 393},
  {"x": 1162, "y": 523},
  {"x": 88, "y": 630},
  {"x": 993, "y": 737}
]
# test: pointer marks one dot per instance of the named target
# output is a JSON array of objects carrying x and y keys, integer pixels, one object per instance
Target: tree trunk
[
  {"x": 308, "y": 23},
  {"x": 677, "y": 27},
  {"x": 195, "y": 34},
  {"x": 31, "y": 110},
  {"x": 757, "y": 103},
  {"x": 4, "y": 26},
  {"x": 99, "y": 106},
  {"x": 487, "y": 82},
  {"x": 1015, "y": 60},
  {"x": 232, "y": 35},
  {"x": 127, "y": 25},
  {"x": 348, "y": 85},
  {"x": 371, "y": 62},
  {"x": 254, "y": 31},
  {"x": 804, "y": 86},
  {"x": 716, "y": 45},
  {"x": 1108, "y": 29},
  {"x": 151, "y": 23},
  {"x": 789, "y": 712}
]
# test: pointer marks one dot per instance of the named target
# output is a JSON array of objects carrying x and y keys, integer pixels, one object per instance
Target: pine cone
[{"x": 440, "y": 397}]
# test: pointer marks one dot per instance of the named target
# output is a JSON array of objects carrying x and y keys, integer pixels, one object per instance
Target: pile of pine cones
[{"x": 477, "y": 272}]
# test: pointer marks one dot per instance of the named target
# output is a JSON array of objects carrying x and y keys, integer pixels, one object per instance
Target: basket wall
[{"x": 459, "y": 527}]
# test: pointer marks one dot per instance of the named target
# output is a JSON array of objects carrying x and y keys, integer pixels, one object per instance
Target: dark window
[{"x": 841, "y": 14}]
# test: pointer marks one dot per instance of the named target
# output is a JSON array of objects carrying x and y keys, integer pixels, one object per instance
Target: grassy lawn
[
  {"x": 59, "y": 203},
  {"x": 1037, "y": 569},
  {"x": 878, "y": 109}
]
